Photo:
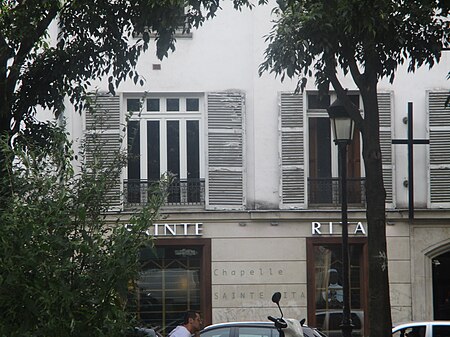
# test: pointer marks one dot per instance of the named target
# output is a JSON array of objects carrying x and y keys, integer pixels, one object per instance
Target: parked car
[
  {"x": 422, "y": 329},
  {"x": 251, "y": 329},
  {"x": 329, "y": 322}
]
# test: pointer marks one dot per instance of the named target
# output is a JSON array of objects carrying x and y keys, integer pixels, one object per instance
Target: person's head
[
  {"x": 333, "y": 275},
  {"x": 192, "y": 321}
]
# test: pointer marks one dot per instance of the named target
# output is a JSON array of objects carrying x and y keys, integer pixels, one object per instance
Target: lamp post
[{"x": 343, "y": 128}]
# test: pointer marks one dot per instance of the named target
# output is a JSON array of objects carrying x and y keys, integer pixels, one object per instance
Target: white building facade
[{"x": 255, "y": 206}]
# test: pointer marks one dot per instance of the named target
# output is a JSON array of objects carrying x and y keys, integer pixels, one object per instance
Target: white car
[
  {"x": 422, "y": 329},
  {"x": 251, "y": 329}
]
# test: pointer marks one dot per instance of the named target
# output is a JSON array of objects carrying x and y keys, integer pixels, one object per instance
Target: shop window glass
[
  {"x": 327, "y": 281},
  {"x": 169, "y": 284}
]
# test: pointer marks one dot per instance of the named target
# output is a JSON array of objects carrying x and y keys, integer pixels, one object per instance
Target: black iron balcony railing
[
  {"x": 326, "y": 191},
  {"x": 190, "y": 192}
]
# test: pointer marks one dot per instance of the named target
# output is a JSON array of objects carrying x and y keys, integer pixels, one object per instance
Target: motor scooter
[{"x": 287, "y": 327}]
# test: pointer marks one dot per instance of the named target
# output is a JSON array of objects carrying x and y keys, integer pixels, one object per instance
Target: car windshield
[{"x": 413, "y": 331}]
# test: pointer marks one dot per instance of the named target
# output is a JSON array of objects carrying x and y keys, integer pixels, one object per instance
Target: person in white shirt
[{"x": 192, "y": 324}]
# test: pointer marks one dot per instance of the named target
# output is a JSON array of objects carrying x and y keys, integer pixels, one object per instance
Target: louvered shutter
[
  {"x": 291, "y": 151},
  {"x": 385, "y": 108},
  {"x": 439, "y": 168},
  {"x": 225, "y": 158},
  {"x": 103, "y": 141}
]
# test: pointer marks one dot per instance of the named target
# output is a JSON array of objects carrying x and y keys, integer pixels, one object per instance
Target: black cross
[{"x": 410, "y": 141}]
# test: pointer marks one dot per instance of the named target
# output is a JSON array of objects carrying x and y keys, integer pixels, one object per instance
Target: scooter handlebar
[{"x": 280, "y": 323}]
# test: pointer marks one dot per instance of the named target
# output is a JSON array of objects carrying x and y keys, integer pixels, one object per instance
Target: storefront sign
[
  {"x": 175, "y": 229},
  {"x": 257, "y": 294},
  {"x": 333, "y": 228}
]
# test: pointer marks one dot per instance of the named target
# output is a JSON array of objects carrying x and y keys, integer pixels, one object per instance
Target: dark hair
[{"x": 190, "y": 314}]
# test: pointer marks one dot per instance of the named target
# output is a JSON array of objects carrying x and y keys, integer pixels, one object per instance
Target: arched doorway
[{"x": 441, "y": 286}]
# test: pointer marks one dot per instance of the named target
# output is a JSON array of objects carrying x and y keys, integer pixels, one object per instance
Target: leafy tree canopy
[
  {"x": 65, "y": 266},
  {"x": 369, "y": 39},
  {"x": 95, "y": 39}
]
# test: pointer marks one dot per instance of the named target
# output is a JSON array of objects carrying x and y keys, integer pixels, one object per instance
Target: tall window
[
  {"x": 175, "y": 276},
  {"x": 323, "y": 181},
  {"x": 325, "y": 284},
  {"x": 164, "y": 137}
]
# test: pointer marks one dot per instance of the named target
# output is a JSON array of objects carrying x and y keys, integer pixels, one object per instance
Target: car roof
[
  {"x": 412, "y": 324},
  {"x": 231, "y": 324},
  {"x": 264, "y": 324}
]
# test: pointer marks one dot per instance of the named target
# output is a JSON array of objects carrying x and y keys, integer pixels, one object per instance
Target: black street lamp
[{"x": 343, "y": 128}]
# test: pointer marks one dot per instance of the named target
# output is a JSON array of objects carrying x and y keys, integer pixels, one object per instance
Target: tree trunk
[{"x": 380, "y": 321}]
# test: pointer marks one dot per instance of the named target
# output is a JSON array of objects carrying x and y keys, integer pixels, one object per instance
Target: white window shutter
[
  {"x": 103, "y": 138},
  {"x": 291, "y": 151},
  {"x": 439, "y": 167},
  {"x": 385, "y": 113},
  {"x": 225, "y": 157}
]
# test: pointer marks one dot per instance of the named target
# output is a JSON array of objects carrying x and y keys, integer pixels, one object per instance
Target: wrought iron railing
[
  {"x": 190, "y": 192},
  {"x": 326, "y": 191}
]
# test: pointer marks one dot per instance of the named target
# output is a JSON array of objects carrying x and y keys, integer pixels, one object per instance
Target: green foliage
[
  {"x": 96, "y": 39},
  {"x": 65, "y": 265},
  {"x": 368, "y": 38}
]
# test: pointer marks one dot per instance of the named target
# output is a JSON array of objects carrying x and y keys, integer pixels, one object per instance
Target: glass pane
[
  {"x": 153, "y": 151},
  {"x": 173, "y": 104},
  {"x": 416, "y": 331},
  {"x": 153, "y": 104},
  {"x": 255, "y": 332},
  {"x": 133, "y": 187},
  {"x": 193, "y": 162},
  {"x": 329, "y": 290},
  {"x": 133, "y": 104},
  {"x": 320, "y": 180},
  {"x": 193, "y": 150},
  {"x": 169, "y": 284},
  {"x": 173, "y": 159},
  {"x": 318, "y": 102},
  {"x": 223, "y": 332},
  {"x": 133, "y": 138},
  {"x": 192, "y": 104},
  {"x": 441, "y": 331}
]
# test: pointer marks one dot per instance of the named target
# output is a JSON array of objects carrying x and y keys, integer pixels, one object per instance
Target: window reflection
[
  {"x": 169, "y": 284},
  {"x": 329, "y": 288}
]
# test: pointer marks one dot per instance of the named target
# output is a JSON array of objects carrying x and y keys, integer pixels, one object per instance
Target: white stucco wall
[{"x": 225, "y": 54}]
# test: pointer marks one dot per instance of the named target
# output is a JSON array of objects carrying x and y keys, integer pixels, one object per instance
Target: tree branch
[
  {"x": 25, "y": 47},
  {"x": 352, "y": 64},
  {"x": 342, "y": 95}
]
